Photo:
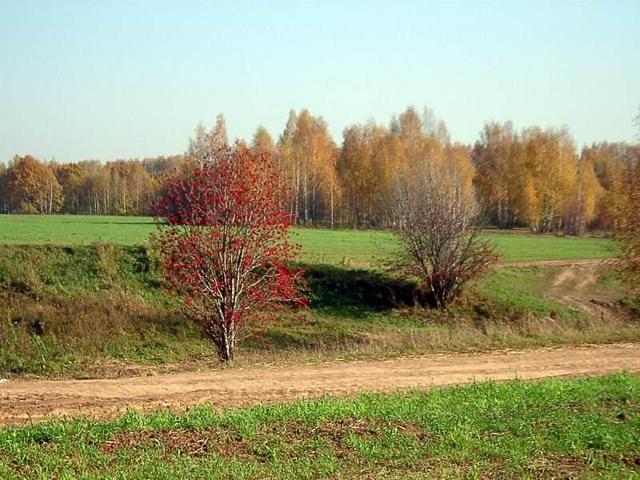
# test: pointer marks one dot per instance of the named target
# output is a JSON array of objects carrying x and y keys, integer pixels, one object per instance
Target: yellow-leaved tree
[{"x": 625, "y": 206}]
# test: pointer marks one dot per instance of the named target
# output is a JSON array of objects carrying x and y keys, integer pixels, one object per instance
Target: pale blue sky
[{"x": 107, "y": 79}]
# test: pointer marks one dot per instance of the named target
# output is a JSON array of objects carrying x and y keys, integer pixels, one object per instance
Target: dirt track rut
[{"x": 30, "y": 400}]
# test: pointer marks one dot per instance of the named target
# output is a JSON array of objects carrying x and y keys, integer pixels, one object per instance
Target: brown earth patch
[
  {"x": 337, "y": 431},
  {"x": 229, "y": 443},
  {"x": 193, "y": 443},
  {"x": 571, "y": 466}
]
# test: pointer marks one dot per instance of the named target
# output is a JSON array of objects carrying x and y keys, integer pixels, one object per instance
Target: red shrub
[{"x": 224, "y": 244}]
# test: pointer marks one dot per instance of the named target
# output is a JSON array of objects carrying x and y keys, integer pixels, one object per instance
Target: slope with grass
[
  {"x": 586, "y": 428},
  {"x": 101, "y": 311}
]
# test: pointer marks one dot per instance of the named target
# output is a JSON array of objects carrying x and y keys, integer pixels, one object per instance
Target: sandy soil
[{"x": 23, "y": 401}]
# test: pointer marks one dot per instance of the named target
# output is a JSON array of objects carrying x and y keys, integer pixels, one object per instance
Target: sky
[{"x": 131, "y": 79}]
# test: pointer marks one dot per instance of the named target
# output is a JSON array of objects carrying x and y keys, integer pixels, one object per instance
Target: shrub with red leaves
[{"x": 223, "y": 237}]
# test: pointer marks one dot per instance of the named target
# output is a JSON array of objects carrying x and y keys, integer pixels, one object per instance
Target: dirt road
[
  {"x": 589, "y": 262},
  {"x": 23, "y": 400}
]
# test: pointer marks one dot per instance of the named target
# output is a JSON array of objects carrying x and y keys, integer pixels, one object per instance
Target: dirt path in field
[
  {"x": 30, "y": 400},
  {"x": 592, "y": 262},
  {"x": 575, "y": 285}
]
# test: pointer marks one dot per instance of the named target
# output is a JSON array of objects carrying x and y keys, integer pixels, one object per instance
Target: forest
[{"x": 534, "y": 177}]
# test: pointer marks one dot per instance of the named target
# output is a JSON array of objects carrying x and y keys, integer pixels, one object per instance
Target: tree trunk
[
  {"x": 305, "y": 197},
  {"x": 226, "y": 346},
  {"x": 297, "y": 192},
  {"x": 332, "y": 205}
]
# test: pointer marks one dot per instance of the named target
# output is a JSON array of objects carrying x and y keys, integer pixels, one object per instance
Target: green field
[
  {"x": 587, "y": 428},
  {"x": 337, "y": 247}
]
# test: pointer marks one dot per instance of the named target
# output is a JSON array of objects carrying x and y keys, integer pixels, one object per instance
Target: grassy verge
[
  {"x": 587, "y": 428},
  {"x": 100, "y": 311}
]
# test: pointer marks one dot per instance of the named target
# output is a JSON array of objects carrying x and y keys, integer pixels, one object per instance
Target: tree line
[{"x": 533, "y": 178}]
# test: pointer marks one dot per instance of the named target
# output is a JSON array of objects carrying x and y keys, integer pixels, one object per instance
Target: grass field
[
  {"x": 588, "y": 428},
  {"x": 337, "y": 247}
]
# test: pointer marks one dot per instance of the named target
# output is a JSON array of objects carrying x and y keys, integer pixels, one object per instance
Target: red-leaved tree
[{"x": 223, "y": 237}]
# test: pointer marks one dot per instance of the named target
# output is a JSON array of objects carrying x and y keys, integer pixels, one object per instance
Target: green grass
[
  {"x": 338, "y": 247},
  {"x": 521, "y": 248},
  {"x": 559, "y": 428},
  {"x": 92, "y": 310}
]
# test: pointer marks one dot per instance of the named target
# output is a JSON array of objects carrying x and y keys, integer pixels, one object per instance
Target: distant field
[{"x": 349, "y": 247}]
